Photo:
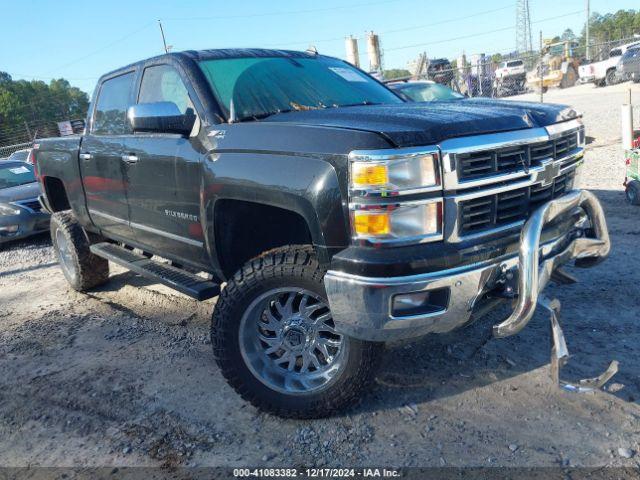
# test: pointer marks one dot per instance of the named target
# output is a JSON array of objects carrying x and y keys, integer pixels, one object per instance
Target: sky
[{"x": 80, "y": 40}]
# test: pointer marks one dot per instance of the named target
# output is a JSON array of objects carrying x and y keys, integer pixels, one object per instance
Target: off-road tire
[
  {"x": 632, "y": 192},
  {"x": 569, "y": 79},
  {"x": 90, "y": 270},
  {"x": 289, "y": 266}
]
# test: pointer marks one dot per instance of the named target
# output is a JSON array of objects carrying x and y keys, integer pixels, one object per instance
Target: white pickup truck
[{"x": 604, "y": 72}]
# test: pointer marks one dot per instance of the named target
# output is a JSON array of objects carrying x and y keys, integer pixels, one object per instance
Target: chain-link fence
[
  {"x": 557, "y": 65},
  {"x": 21, "y": 136}
]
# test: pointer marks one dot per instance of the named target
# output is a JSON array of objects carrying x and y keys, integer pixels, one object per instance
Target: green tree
[
  {"x": 394, "y": 73},
  {"x": 37, "y": 103},
  {"x": 612, "y": 26}
]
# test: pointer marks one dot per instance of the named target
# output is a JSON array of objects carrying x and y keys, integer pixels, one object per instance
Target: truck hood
[
  {"x": 27, "y": 191},
  {"x": 415, "y": 124}
]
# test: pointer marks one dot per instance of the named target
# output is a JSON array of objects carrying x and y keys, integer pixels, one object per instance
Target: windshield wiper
[
  {"x": 263, "y": 115},
  {"x": 360, "y": 104}
]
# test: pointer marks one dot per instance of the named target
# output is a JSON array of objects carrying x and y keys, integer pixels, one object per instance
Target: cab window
[
  {"x": 162, "y": 83},
  {"x": 110, "y": 117}
]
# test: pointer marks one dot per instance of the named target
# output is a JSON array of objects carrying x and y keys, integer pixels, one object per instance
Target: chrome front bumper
[{"x": 362, "y": 306}]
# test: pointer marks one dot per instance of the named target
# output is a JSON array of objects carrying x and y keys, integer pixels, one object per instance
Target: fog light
[
  {"x": 8, "y": 229},
  {"x": 420, "y": 303}
]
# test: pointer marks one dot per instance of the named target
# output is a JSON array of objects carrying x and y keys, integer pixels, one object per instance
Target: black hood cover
[{"x": 415, "y": 124}]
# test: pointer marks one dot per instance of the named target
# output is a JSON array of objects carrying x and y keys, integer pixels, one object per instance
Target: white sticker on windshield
[
  {"x": 348, "y": 74},
  {"x": 19, "y": 170}
]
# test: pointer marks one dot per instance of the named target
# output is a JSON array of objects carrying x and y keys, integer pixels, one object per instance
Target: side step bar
[{"x": 180, "y": 280}]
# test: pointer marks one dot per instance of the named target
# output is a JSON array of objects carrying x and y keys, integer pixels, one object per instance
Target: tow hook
[{"x": 560, "y": 354}]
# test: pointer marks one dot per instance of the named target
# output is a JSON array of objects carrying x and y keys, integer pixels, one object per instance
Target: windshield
[
  {"x": 516, "y": 63},
  {"x": 428, "y": 92},
  {"x": 20, "y": 155},
  {"x": 632, "y": 52},
  {"x": 258, "y": 87},
  {"x": 16, "y": 174}
]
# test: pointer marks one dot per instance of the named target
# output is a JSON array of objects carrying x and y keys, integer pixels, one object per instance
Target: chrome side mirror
[{"x": 160, "y": 117}]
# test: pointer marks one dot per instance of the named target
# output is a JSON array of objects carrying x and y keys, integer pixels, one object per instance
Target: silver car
[{"x": 20, "y": 212}]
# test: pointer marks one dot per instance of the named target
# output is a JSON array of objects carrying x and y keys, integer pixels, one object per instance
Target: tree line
[{"x": 34, "y": 102}]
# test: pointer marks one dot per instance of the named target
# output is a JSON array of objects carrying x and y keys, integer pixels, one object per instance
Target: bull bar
[{"x": 362, "y": 306}]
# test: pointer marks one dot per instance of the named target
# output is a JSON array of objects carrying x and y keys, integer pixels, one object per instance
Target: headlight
[
  {"x": 379, "y": 177},
  {"x": 411, "y": 222},
  {"x": 403, "y": 172},
  {"x": 6, "y": 209}
]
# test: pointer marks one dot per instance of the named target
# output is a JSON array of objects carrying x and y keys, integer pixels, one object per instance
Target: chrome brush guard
[{"x": 534, "y": 275}]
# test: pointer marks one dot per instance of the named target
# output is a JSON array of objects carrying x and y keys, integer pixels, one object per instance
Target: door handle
[
  {"x": 85, "y": 156},
  {"x": 129, "y": 158}
]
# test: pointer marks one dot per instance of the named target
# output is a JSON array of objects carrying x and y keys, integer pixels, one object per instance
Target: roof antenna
[
  {"x": 164, "y": 41},
  {"x": 232, "y": 112}
]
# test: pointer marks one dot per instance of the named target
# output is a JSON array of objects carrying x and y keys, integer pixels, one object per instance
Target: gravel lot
[{"x": 125, "y": 375}]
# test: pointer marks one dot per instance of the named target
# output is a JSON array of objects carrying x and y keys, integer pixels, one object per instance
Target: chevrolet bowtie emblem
[{"x": 548, "y": 174}]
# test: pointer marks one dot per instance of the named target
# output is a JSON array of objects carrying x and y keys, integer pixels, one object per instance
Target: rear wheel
[
  {"x": 82, "y": 269},
  {"x": 632, "y": 192},
  {"x": 275, "y": 340},
  {"x": 569, "y": 78}
]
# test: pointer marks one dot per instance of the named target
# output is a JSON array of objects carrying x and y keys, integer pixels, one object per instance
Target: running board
[{"x": 180, "y": 280}]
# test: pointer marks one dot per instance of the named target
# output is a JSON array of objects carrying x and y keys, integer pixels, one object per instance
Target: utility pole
[
  {"x": 164, "y": 42},
  {"x": 587, "y": 53},
  {"x": 540, "y": 71}
]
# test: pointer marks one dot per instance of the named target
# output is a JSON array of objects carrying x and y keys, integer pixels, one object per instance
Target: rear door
[
  {"x": 101, "y": 150},
  {"x": 165, "y": 177}
]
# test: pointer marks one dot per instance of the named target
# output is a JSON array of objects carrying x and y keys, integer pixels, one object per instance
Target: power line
[
  {"x": 37, "y": 77},
  {"x": 397, "y": 30},
  {"x": 290, "y": 12},
  {"x": 101, "y": 49},
  {"x": 478, "y": 34}
]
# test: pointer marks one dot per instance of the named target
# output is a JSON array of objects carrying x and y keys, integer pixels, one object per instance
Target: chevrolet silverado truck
[{"x": 328, "y": 215}]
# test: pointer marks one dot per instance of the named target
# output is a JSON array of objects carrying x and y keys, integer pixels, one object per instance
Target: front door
[
  {"x": 101, "y": 150},
  {"x": 164, "y": 175}
]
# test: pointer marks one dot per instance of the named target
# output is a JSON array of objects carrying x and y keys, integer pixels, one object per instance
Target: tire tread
[
  {"x": 289, "y": 261},
  {"x": 91, "y": 270}
]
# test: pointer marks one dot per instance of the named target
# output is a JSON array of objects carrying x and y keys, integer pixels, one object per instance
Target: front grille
[
  {"x": 32, "y": 204},
  {"x": 476, "y": 165},
  {"x": 508, "y": 207}
]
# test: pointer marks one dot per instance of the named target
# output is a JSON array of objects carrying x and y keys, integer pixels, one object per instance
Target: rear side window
[
  {"x": 162, "y": 83},
  {"x": 110, "y": 117},
  {"x": 615, "y": 53}
]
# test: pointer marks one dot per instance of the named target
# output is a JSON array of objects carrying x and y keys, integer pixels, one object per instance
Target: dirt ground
[{"x": 125, "y": 375}]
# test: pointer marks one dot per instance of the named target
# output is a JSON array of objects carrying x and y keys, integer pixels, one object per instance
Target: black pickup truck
[{"x": 327, "y": 214}]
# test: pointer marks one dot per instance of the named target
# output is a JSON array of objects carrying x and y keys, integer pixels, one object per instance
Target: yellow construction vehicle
[{"x": 559, "y": 66}]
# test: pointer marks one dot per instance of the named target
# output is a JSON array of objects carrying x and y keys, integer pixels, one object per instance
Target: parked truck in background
[
  {"x": 510, "y": 78},
  {"x": 327, "y": 214},
  {"x": 604, "y": 72}
]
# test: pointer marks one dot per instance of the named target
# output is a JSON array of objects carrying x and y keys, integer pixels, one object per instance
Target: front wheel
[
  {"x": 275, "y": 341},
  {"x": 611, "y": 78}
]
